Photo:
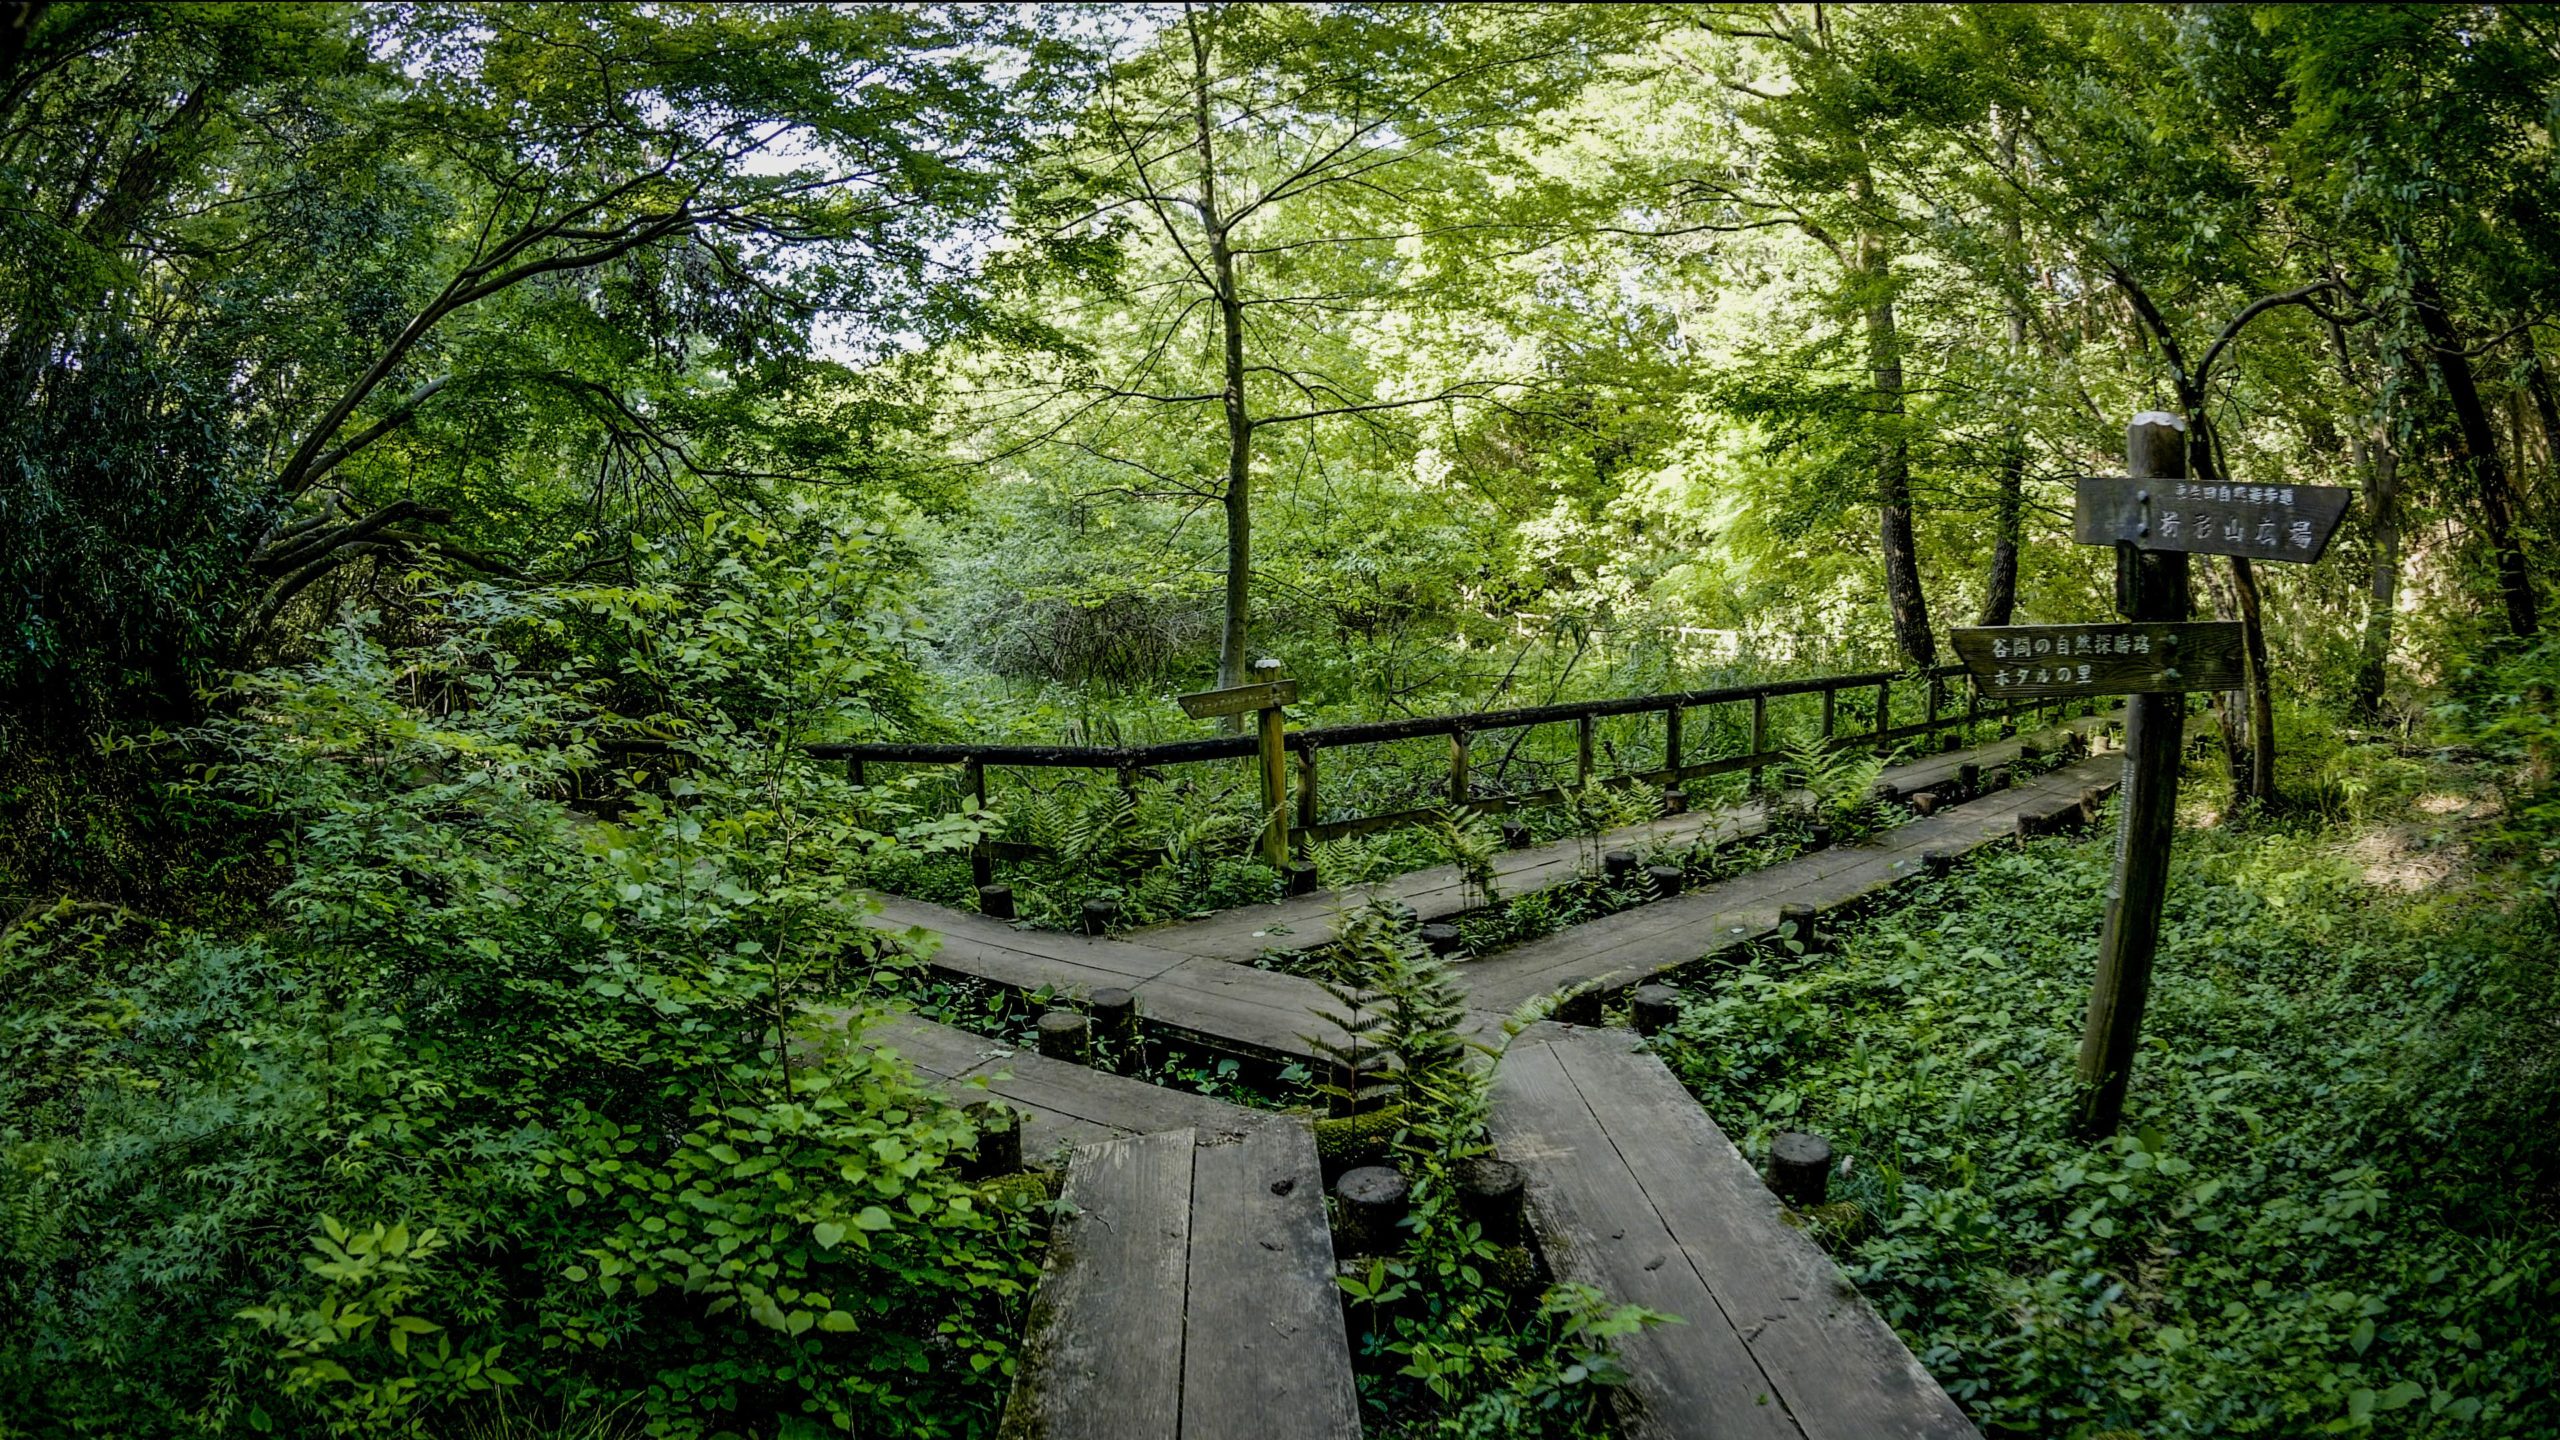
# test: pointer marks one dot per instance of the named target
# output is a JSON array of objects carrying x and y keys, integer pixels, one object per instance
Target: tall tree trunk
[
  {"x": 2262, "y": 694},
  {"x": 2476, "y": 450},
  {"x": 2379, "y": 459},
  {"x": 2248, "y": 717},
  {"x": 1233, "y": 633},
  {"x": 1903, "y": 594},
  {"x": 2230, "y": 707},
  {"x": 2000, "y": 589},
  {"x": 2538, "y": 385}
]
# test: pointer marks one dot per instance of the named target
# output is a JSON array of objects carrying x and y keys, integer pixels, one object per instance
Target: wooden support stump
[
  {"x": 1885, "y": 794},
  {"x": 1652, "y": 1007},
  {"x": 1675, "y": 801},
  {"x": 1937, "y": 864},
  {"x": 1800, "y": 1169},
  {"x": 999, "y": 1147},
  {"x": 996, "y": 901},
  {"x": 2029, "y": 750},
  {"x": 1115, "y": 1017},
  {"x": 1581, "y": 1007},
  {"x": 2092, "y": 801},
  {"x": 1374, "y": 1199},
  {"x": 1515, "y": 836},
  {"x": 1302, "y": 878},
  {"x": 1065, "y": 1035},
  {"x": 1924, "y": 803},
  {"x": 1807, "y": 927},
  {"x": 1100, "y": 916},
  {"x": 1969, "y": 778},
  {"x": 1440, "y": 939},
  {"x": 1491, "y": 1192},
  {"x": 1618, "y": 866},
  {"x": 2030, "y": 826},
  {"x": 1666, "y": 880}
]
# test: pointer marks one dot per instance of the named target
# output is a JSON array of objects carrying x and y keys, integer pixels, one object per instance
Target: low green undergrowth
[
  {"x": 1453, "y": 1335},
  {"x": 2333, "y": 1207}
]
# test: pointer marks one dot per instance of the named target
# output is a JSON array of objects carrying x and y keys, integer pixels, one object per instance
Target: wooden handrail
[{"x": 1366, "y": 732}]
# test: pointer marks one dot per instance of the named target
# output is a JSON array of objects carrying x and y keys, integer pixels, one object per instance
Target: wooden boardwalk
[
  {"x": 1626, "y": 948},
  {"x": 1063, "y": 1104},
  {"x": 1306, "y": 922},
  {"x": 1218, "y": 1003},
  {"x": 1189, "y": 1292},
  {"x": 1634, "y": 1190},
  {"x": 1189, "y": 1295}
]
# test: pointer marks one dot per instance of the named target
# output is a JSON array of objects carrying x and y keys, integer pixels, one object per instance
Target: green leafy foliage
[
  {"x": 2321, "y": 1217},
  {"x": 537, "y": 1078}
]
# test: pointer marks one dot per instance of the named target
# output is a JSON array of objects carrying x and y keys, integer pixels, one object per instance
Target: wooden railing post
[
  {"x": 1459, "y": 786},
  {"x": 982, "y": 865},
  {"x": 1582, "y": 751},
  {"x": 1759, "y": 735},
  {"x": 1884, "y": 712},
  {"x": 1306, "y": 792},
  {"x": 853, "y": 770},
  {"x": 1671, "y": 742},
  {"x": 1830, "y": 716},
  {"x": 1272, "y": 742}
]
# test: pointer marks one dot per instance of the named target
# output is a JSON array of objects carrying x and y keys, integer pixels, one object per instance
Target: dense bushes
[
  {"x": 2332, "y": 1207},
  {"x": 498, "y": 1102}
]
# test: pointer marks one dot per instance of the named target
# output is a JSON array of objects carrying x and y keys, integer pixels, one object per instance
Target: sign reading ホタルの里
[{"x": 2135, "y": 658}]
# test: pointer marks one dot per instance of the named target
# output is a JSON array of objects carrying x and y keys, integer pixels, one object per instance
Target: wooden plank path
[
  {"x": 1633, "y": 1189},
  {"x": 1188, "y": 1295},
  {"x": 1063, "y": 1104},
  {"x": 1436, "y": 893},
  {"x": 1218, "y": 1003},
  {"x": 1624, "y": 949}
]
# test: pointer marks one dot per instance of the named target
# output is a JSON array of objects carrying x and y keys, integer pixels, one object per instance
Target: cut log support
[{"x": 1800, "y": 1169}]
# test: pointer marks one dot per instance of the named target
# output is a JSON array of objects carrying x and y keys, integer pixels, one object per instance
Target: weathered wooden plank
[
  {"x": 1264, "y": 1355},
  {"x": 1063, "y": 1104},
  {"x": 1689, "y": 1380},
  {"x": 1839, "y": 1371},
  {"x": 1627, "y": 947},
  {"x": 1103, "y": 1357},
  {"x": 989, "y": 949},
  {"x": 1237, "y": 1007}
]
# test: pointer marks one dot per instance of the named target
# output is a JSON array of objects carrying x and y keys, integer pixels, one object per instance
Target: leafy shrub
[{"x": 507, "y": 1095}]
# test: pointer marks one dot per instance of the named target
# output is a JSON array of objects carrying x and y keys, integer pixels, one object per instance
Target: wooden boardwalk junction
[{"x": 1189, "y": 1288}]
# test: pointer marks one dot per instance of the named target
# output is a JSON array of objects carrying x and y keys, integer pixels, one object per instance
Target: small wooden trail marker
[
  {"x": 2048, "y": 661},
  {"x": 1264, "y": 697},
  {"x": 1239, "y": 700},
  {"x": 2210, "y": 517}
]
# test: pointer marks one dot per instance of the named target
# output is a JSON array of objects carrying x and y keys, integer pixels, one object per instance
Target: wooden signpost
[
  {"x": 1265, "y": 697},
  {"x": 2155, "y": 517}
]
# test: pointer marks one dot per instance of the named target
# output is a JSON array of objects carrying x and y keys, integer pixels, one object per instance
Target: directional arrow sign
[
  {"x": 1267, "y": 696},
  {"x": 2037, "y": 662},
  {"x": 2211, "y": 517}
]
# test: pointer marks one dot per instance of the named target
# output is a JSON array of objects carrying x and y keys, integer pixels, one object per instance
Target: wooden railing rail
[{"x": 1929, "y": 713}]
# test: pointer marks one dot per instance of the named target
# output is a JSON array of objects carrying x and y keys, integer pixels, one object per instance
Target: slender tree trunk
[
  {"x": 1903, "y": 593},
  {"x": 1233, "y": 634},
  {"x": 2379, "y": 458},
  {"x": 2000, "y": 589},
  {"x": 2230, "y": 707},
  {"x": 2538, "y": 385},
  {"x": 2476, "y": 450},
  {"x": 2248, "y": 717},
  {"x": 2262, "y": 694}
]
